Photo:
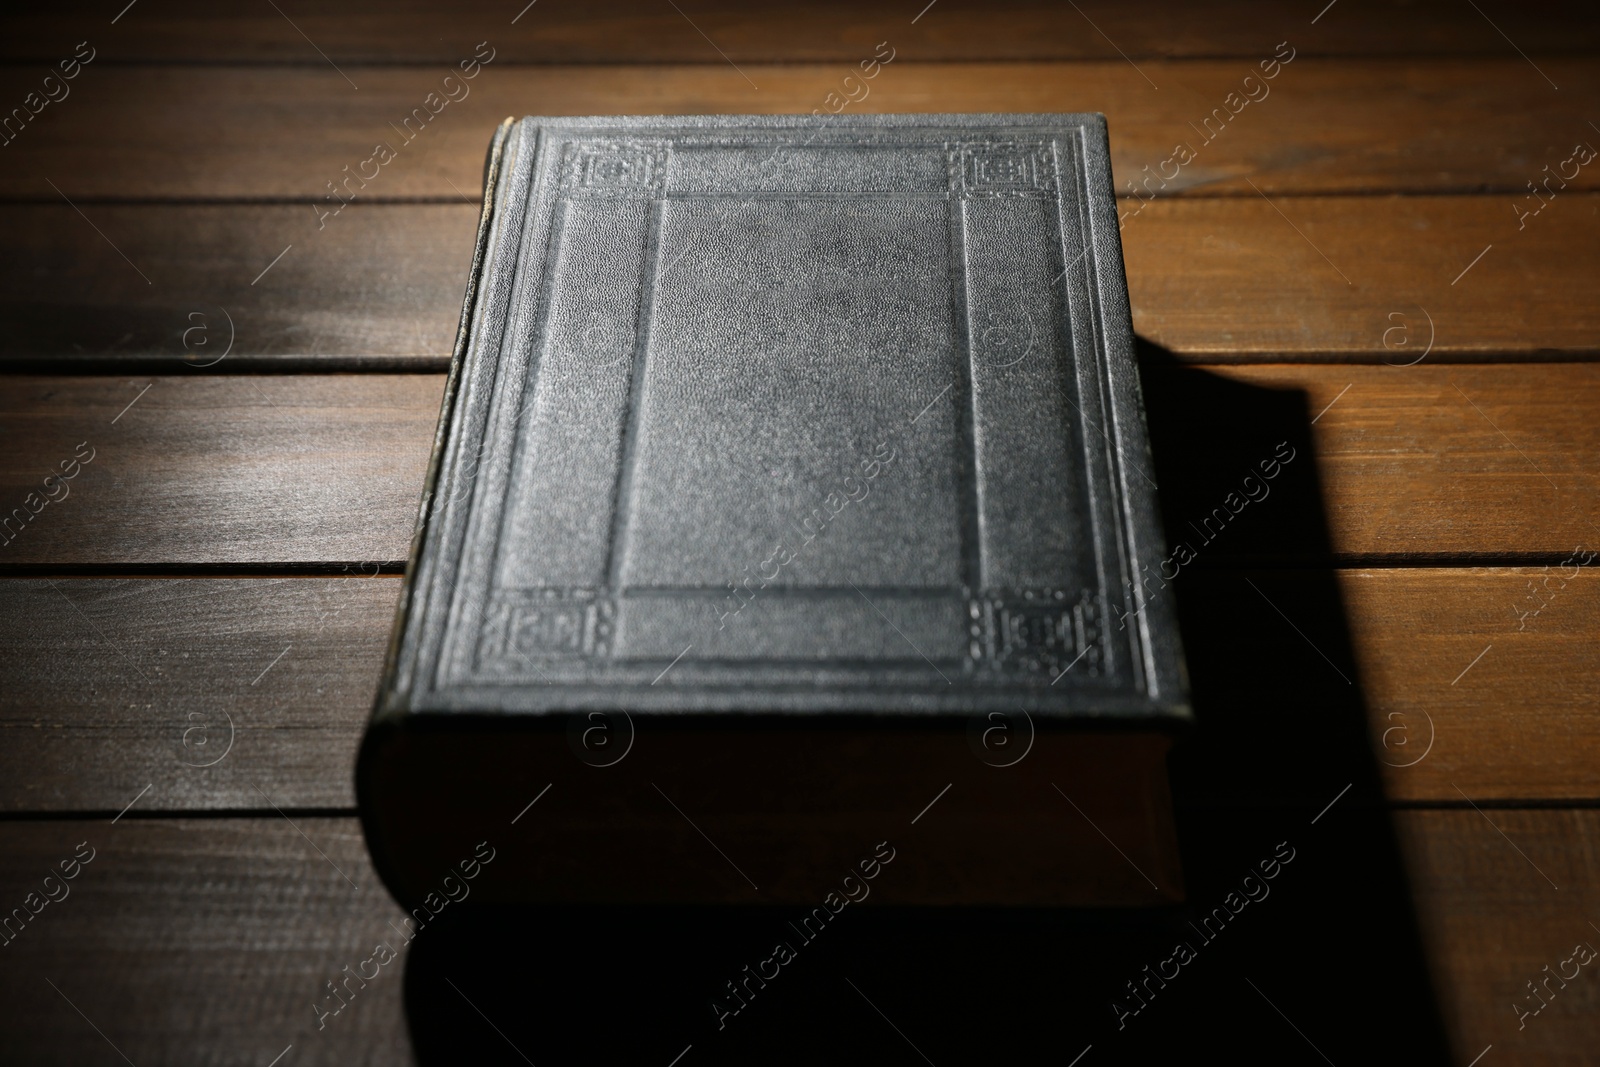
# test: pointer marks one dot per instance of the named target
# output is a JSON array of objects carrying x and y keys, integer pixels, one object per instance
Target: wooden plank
[
  {"x": 1355, "y": 278},
  {"x": 1211, "y": 280},
  {"x": 1489, "y": 462},
  {"x": 211, "y": 940},
  {"x": 203, "y": 941},
  {"x": 1416, "y": 682},
  {"x": 1437, "y": 462},
  {"x": 219, "y": 286},
  {"x": 203, "y": 689},
  {"x": 1469, "y": 883},
  {"x": 1516, "y": 671},
  {"x": 199, "y": 470},
  {"x": 206, "y": 688},
  {"x": 414, "y": 31},
  {"x": 1317, "y": 126}
]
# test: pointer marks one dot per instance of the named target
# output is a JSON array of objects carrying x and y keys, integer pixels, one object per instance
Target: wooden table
[{"x": 1385, "y": 257}]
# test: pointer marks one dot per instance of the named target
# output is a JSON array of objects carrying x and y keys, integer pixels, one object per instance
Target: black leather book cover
[{"x": 792, "y": 456}]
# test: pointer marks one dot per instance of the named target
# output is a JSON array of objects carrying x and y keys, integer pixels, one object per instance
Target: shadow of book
[{"x": 1297, "y": 900}]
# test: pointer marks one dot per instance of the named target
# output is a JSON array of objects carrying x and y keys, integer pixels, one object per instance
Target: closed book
[{"x": 790, "y": 509}]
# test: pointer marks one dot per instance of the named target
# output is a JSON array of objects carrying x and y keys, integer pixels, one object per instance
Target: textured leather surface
[{"x": 788, "y": 414}]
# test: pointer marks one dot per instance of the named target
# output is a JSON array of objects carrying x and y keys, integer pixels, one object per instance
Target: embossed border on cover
[{"x": 1011, "y": 637}]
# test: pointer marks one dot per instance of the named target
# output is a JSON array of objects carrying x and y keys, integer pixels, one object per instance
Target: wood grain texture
[
  {"x": 1493, "y": 462},
  {"x": 1211, "y": 280},
  {"x": 207, "y": 690},
  {"x": 209, "y": 941},
  {"x": 197, "y": 942},
  {"x": 1351, "y": 278},
  {"x": 203, "y": 470},
  {"x": 188, "y": 31},
  {"x": 1418, "y": 675},
  {"x": 1519, "y": 708},
  {"x": 1463, "y": 462},
  {"x": 1317, "y": 126},
  {"x": 211, "y": 288},
  {"x": 113, "y": 684},
  {"x": 1472, "y": 886}
]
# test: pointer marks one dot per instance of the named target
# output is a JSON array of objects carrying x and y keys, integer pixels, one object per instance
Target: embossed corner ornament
[
  {"x": 1039, "y": 631},
  {"x": 528, "y": 625},
  {"x": 1002, "y": 168},
  {"x": 615, "y": 168}
]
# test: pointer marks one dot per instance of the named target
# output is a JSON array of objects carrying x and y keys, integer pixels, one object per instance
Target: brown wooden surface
[
  {"x": 205, "y": 689},
  {"x": 192, "y": 31},
  {"x": 210, "y": 575},
  {"x": 1474, "y": 893},
  {"x": 1366, "y": 279},
  {"x": 1486, "y": 461},
  {"x": 212, "y": 469},
  {"x": 214, "y": 936},
  {"x": 197, "y": 941},
  {"x": 1319, "y": 125},
  {"x": 380, "y": 287},
  {"x": 113, "y": 684}
]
